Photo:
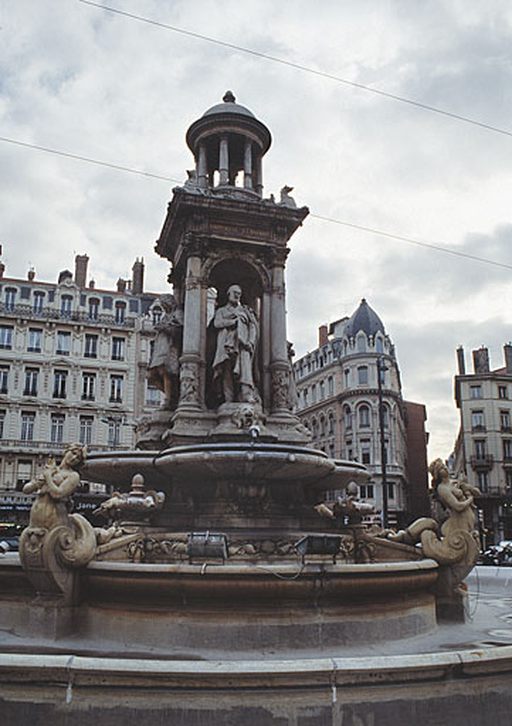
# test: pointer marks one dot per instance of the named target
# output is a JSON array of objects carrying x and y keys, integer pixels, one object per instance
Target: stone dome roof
[
  {"x": 229, "y": 105},
  {"x": 364, "y": 319}
]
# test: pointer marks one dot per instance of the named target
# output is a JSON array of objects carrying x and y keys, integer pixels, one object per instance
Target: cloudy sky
[{"x": 92, "y": 83}]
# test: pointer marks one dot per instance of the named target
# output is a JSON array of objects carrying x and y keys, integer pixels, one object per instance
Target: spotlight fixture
[
  {"x": 319, "y": 544},
  {"x": 207, "y": 546}
]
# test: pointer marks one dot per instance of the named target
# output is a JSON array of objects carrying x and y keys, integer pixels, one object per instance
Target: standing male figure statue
[
  {"x": 237, "y": 335},
  {"x": 164, "y": 367}
]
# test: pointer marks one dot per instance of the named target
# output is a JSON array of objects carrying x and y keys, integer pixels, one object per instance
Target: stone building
[
  {"x": 70, "y": 365},
  {"x": 338, "y": 400},
  {"x": 483, "y": 449}
]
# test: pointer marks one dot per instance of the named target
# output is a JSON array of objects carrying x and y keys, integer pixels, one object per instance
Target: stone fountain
[{"x": 218, "y": 548}]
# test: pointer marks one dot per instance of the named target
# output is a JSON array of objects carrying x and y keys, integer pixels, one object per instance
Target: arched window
[
  {"x": 322, "y": 425},
  {"x": 361, "y": 343},
  {"x": 347, "y": 416},
  {"x": 331, "y": 425},
  {"x": 379, "y": 345},
  {"x": 386, "y": 415},
  {"x": 364, "y": 416},
  {"x": 314, "y": 428}
]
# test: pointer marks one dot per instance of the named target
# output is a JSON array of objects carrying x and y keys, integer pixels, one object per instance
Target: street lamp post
[{"x": 381, "y": 368}]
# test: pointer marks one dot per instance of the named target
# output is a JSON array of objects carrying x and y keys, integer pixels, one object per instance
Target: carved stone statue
[
  {"x": 237, "y": 336},
  {"x": 348, "y": 509},
  {"x": 286, "y": 199},
  {"x": 164, "y": 367},
  {"x": 55, "y": 543}
]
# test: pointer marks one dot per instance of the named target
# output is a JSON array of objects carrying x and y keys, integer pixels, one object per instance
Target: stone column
[
  {"x": 279, "y": 366},
  {"x": 201, "y": 167},
  {"x": 257, "y": 173},
  {"x": 224, "y": 160},
  {"x": 248, "y": 164},
  {"x": 190, "y": 393}
]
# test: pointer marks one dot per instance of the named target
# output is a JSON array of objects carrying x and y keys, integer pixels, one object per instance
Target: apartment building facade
[
  {"x": 338, "y": 400},
  {"x": 483, "y": 449},
  {"x": 72, "y": 368}
]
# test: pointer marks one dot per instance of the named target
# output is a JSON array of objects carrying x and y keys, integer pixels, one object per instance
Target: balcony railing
[
  {"x": 48, "y": 313},
  {"x": 482, "y": 461}
]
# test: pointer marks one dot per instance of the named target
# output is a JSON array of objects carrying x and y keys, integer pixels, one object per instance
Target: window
[
  {"x": 118, "y": 348},
  {"x": 66, "y": 304},
  {"x": 10, "y": 298},
  {"x": 331, "y": 450},
  {"x": 59, "y": 384},
  {"x": 27, "y": 425},
  {"x": 38, "y": 302},
  {"x": 361, "y": 343},
  {"x": 94, "y": 308},
  {"x": 502, "y": 392},
  {"x": 391, "y": 490},
  {"x": 483, "y": 480},
  {"x": 314, "y": 428},
  {"x": 63, "y": 343},
  {"x": 157, "y": 314},
  {"x": 365, "y": 452},
  {"x": 121, "y": 312},
  {"x": 322, "y": 390},
  {"x": 476, "y": 391},
  {"x": 347, "y": 417},
  {"x": 31, "y": 376},
  {"x": 91, "y": 346},
  {"x": 366, "y": 491},
  {"x": 305, "y": 396},
  {"x": 86, "y": 423},
  {"x": 379, "y": 346},
  {"x": 116, "y": 389},
  {"x": 4, "y": 379},
  {"x": 480, "y": 448},
  {"x": 331, "y": 424},
  {"x": 23, "y": 473},
  {"x": 385, "y": 416},
  {"x": 6, "y": 336},
  {"x": 88, "y": 386},
  {"x": 362, "y": 375},
  {"x": 477, "y": 421},
  {"x": 153, "y": 396},
  {"x": 114, "y": 432},
  {"x": 505, "y": 420},
  {"x": 2, "y": 424},
  {"x": 34, "y": 340},
  {"x": 508, "y": 478},
  {"x": 57, "y": 428},
  {"x": 507, "y": 449},
  {"x": 313, "y": 393},
  {"x": 322, "y": 425},
  {"x": 330, "y": 386},
  {"x": 364, "y": 416},
  {"x": 346, "y": 374}
]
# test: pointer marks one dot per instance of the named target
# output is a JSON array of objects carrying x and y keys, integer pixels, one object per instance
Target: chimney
[
  {"x": 138, "y": 276},
  {"x": 31, "y": 274},
  {"x": 460, "y": 360},
  {"x": 81, "y": 262},
  {"x": 322, "y": 336},
  {"x": 481, "y": 360},
  {"x": 121, "y": 285},
  {"x": 507, "y": 350}
]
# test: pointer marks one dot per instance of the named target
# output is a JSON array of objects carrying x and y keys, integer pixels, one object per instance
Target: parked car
[
  {"x": 499, "y": 555},
  {"x": 10, "y": 536}
]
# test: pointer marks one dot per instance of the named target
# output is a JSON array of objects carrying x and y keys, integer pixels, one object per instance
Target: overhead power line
[
  {"x": 299, "y": 67},
  {"x": 88, "y": 159},
  {"x": 332, "y": 220}
]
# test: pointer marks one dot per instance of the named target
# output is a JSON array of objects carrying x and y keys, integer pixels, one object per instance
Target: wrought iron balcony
[
  {"x": 49, "y": 313},
  {"x": 482, "y": 462}
]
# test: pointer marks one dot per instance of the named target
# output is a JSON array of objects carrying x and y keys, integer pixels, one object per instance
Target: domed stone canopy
[
  {"x": 364, "y": 319},
  {"x": 229, "y": 105},
  {"x": 229, "y": 139}
]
